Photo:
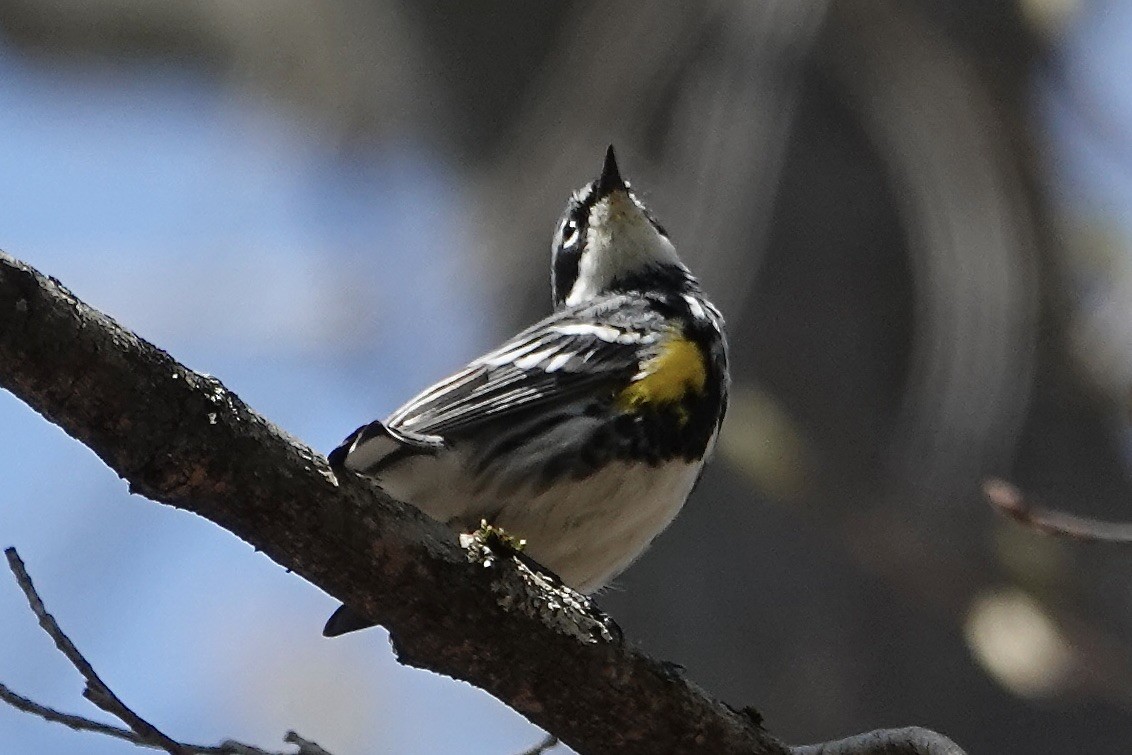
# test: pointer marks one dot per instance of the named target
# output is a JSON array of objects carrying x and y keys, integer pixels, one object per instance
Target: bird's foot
[{"x": 554, "y": 601}]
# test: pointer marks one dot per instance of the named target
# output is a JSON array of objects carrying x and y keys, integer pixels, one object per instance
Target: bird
[{"x": 584, "y": 434}]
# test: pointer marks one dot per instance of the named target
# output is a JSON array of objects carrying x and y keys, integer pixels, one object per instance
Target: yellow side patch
[{"x": 668, "y": 377}]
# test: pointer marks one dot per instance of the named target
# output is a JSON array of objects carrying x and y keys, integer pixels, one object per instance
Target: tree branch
[
  {"x": 96, "y": 690},
  {"x": 912, "y": 739},
  {"x": 181, "y": 438},
  {"x": 78, "y": 723}
]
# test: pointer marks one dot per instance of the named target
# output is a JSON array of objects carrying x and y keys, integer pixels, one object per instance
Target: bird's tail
[
  {"x": 368, "y": 449},
  {"x": 344, "y": 621}
]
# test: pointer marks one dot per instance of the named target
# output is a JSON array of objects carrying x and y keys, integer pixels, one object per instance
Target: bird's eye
[{"x": 569, "y": 233}]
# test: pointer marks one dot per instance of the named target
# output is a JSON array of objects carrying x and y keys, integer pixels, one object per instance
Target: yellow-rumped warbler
[{"x": 584, "y": 434}]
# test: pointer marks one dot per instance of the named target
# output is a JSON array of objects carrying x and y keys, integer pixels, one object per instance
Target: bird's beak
[{"x": 610, "y": 180}]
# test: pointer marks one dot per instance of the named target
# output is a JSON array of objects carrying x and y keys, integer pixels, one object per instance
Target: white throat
[{"x": 620, "y": 241}]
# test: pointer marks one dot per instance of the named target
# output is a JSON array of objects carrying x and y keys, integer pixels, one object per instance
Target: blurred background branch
[{"x": 1010, "y": 501}]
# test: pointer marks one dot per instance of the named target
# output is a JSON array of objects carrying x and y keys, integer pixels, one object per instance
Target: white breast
[
  {"x": 589, "y": 531},
  {"x": 585, "y": 531}
]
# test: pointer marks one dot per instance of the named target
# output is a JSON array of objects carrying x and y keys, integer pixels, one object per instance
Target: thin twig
[
  {"x": 97, "y": 692},
  {"x": 1010, "y": 501},
  {"x": 546, "y": 744},
  {"x": 82, "y": 723},
  {"x": 78, "y": 723},
  {"x": 306, "y": 747}
]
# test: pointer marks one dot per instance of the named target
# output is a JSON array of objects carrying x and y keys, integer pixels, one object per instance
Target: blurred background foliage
[{"x": 913, "y": 214}]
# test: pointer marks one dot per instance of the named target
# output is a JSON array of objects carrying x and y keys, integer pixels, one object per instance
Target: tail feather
[
  {"x": 344, "y": 621},
  {"x": 367, "y": 450}
]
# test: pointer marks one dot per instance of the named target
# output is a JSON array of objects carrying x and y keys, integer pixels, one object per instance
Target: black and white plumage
[{"x": 584, "y": 434}]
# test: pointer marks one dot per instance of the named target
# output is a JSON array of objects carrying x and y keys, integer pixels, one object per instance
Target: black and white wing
[{"x": 589, "y": 349}]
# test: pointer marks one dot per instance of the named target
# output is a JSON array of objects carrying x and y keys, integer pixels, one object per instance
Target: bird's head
[{"x": 607, "y": 240}]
